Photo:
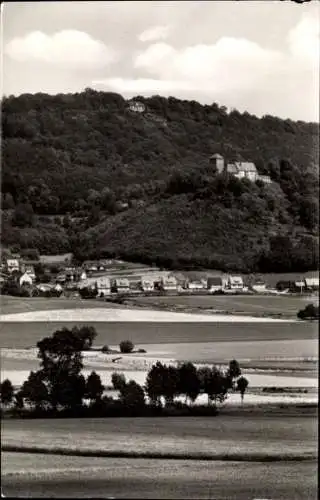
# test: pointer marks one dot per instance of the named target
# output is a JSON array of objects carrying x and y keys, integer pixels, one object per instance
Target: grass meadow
[
  {"x": 238, "y": 437},
  {"x": 88, "y": 477}
]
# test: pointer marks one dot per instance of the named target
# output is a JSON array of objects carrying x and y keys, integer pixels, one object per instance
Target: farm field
[
  {"x": 83, "y": 477},
  {"x": 248, "y": 304},
  {"x": 46, "y": 476},
  {"x": 253, "y": 304},
  {"x": 233, "y": 435},
  {"x": 16, "y": 305},
  {"x": 16, "y": 335}
]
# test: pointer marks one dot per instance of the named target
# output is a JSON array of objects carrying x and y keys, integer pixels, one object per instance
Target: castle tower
[{"x": 218, "y": 162}]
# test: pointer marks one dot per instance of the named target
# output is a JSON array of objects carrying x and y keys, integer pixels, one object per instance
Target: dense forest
[{"x": 83, "y": 173}]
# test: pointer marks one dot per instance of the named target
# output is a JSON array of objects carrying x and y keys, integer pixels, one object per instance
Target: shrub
[
  {"x": 105, "y": 349},
  {"x": 126, "y": 346},
  {"x": 309, "y": 312},
  {"x": 142, "y": 351}
]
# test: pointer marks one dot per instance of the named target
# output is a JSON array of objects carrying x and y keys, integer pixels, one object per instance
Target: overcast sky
[{"x": 260, "y": 56}]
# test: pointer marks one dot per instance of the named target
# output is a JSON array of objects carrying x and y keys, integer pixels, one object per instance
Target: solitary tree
[
  {"x": 7, "y": 392},
  {"x": 242, "y": 384},
  {"x": 126, "y": 346},
  {"x": 87, "y": 334},
  {"x": 61, "y": 365}
]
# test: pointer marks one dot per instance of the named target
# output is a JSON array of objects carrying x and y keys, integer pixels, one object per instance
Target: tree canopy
[{"x": 83, "y": 173}]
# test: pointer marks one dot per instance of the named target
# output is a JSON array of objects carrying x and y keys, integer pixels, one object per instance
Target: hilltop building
[
  {"x": 240, "y": 169},
  {"x": 137, "y": 106}
]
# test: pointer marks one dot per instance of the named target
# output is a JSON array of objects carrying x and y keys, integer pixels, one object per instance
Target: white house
[
  {"x": 122, "y": 285},
  {"x": 235, "y": 283},
  {"x": 195, "y": 286},
  {"x": 312, "y": 283},
  {"x": 246, "y": 170},
  {"x": 103, "y": 286},
  {"x": 30, "y": 271},
  {"x": 147, "y": 284},
  {"x": 169, "y": 283},
  {"x": 13, "y": 265},
  {"x": 25, "y": 279}
]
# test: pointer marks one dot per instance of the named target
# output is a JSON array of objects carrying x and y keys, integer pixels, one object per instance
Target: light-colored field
[
  {"x": 130, "y": 315},
  {"x": 225, "y": 434},
  {"x": 38, "y": 476}
]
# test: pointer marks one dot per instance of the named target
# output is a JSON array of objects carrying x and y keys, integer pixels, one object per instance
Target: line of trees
[{"x": 59, "y": 386}]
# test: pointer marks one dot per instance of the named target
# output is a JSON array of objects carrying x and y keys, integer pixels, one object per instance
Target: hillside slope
[{"x": 83, "y": 173}]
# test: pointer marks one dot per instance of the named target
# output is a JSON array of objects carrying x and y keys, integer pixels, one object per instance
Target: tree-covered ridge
[{"x": 81, "y": 172}]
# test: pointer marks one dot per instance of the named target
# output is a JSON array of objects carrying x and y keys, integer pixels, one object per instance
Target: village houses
[
  {"x": 103, "y": 286},
  {"x": 12, "y": 265},
  {"x": 25, "y": 279}
]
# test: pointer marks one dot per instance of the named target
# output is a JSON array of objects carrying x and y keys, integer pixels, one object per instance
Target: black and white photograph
[{"x": 159, "y": 271}]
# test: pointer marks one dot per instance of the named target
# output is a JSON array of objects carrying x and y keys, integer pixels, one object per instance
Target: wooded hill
[{"x": 83, "y": 173}]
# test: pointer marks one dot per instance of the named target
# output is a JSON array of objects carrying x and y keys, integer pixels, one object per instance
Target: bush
[
  {"x": 105, "y": 349},
  {"x": 142, "y": 351},
  {"x": 309, "y": 312},
  {"x": 126, "y": 346}
]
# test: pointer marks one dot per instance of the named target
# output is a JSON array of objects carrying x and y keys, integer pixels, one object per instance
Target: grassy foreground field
[
  {"x": 249, "y": 436},
  {"x": 81, "y": 477}
]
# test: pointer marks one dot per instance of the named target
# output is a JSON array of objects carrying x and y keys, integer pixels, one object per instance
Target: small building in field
[
  {"x": 121, "y": 285},
  {"x": 103, "y": 286},
  {"x": 25, "y": 279},
  {"x": 312, "y": 284},
  {"x": 235, "y": 283},
  {"x": 12, "y": 265}
]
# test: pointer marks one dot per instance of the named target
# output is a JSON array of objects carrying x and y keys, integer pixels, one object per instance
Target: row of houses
[{"x": 170, "y": 283}]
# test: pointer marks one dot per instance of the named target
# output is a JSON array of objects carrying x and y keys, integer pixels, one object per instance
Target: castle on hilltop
[{"x": 240, "y": 169}]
